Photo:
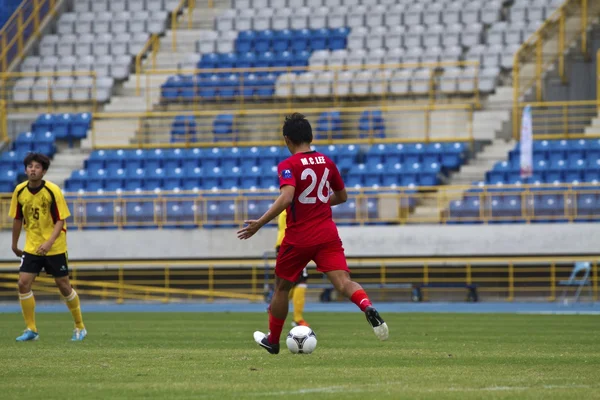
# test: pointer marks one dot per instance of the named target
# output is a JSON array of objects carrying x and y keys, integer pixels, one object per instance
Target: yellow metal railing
[
  {"x": 153, "y": 44},
  {"x": 546, "y": 47},
  {"x": 368, "y": 206},
  {"x": 496, "y": 278},
  {"x": 3, "y": 122},
  {"x": 190, "y": 5},
  {"x": 408, "y": 123},
  {"x": 9, "y": 84},
  {"x": 561, "y": 119},
  {"x": 21, "y": 27},
  {"x": 429, "y": 90}
]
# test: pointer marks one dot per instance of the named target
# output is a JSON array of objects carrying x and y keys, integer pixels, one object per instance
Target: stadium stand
[
  {"x": 45, "y": 132},
  {"x": 566, "y": 177},
  {"x": 350, "y": 35},
  {"x": 232, "y": 168},
  {"x": 7, "y": 7},
  {"x": 96, "y": 36}
]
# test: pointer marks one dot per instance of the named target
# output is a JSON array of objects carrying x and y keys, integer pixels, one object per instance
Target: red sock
[
  {"x": 361, "y": 299},
  {"x": 275, "y": 327}
]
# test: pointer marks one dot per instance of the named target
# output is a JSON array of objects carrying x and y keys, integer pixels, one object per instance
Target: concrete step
[
  {"x": 120, "y": 104},
  {"x": 63, "y": 165}
]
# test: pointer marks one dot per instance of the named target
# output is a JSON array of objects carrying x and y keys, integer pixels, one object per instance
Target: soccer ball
[{"x": 301, "y": 340}]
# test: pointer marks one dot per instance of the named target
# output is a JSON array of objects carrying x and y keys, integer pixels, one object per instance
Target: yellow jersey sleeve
[
  {"x": 281, "y": 226},
  {"x": 15, "y": 210},
  {"x": 60, "y": 203}
]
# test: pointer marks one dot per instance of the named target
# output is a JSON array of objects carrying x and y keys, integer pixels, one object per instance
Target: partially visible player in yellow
[
  {"x": 298, "y": 293},
  {"x": 40, "y": 207}
]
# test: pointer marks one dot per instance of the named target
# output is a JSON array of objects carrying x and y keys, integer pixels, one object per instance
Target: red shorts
[{"x": 291, "y": 259}]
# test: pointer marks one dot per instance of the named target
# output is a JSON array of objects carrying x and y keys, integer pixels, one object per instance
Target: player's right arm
[{"x": 16, "y": 213}]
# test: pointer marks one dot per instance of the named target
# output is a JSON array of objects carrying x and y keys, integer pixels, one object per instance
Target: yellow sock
[
  {"x": 28, "y": 308},
  {"x": 291, "y": 294},
  {"x": 299, "y": 300},
  {"x": 75, "y": 308}
]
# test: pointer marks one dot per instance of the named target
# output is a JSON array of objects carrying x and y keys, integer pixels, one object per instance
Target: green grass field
[{"x": 213, "y": 356}]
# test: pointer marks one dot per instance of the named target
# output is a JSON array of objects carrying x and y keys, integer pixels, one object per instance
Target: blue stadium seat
[
  {"x": 44, "y": 123},
  {"x": 62, "y": 126},
  {"x": 246, "y": 60},
  {"x": 283, "y": 59},
  {"x": 454, "y": 155},
  {"x": 191, "y": 158},
  {"x": 230, "y": 157},
  {"x": 141, "y": 212},
  {"x": 338, "y": 38},
  {"x": 245, "y": 41},
  {"x": 263, "y": 41},
  {"x": 24, "y": 142},
  {"x": 433, "y": 153},
  {"x": 80, "y": 124},
  {"x": 345, "y": 213},
  {"x": 98, "y": 159},
  {"x": 414, "y": 153},
  {"x": 371, "y": 124},
  {"x": 231, "y": 177},
  {"x": 154, "y": 159},
  {"x": 172, "y": 158},
  {"x": 170, "y": 89},
  {"x": 100, "y": 212},
  {"x": 301, "y": 40},
  {"x": 430, "y": 174},
  {"x": 223, "y": 127},
  {"x": 249, "y": 157},
  {"x": 183, "y": 129},
  {"x": 44, "y": 143},
  {"x": 329, "y": 125},
  {"x": 282, "y": 40},
  {"x": 301, "y": 58},
  {"x": 356, "y": 176},
  {"x": 347, "y": 157},
  {"x": 154, "y": 178},
  {"x": 373, "y": 175},
  {"x": 393, "y": 175},
  {"x": 320, "y": 39},
  {"x": 212, "y": 178}
]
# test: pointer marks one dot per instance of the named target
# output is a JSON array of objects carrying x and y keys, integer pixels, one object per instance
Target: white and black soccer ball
[{"x": 301, "y": 340}]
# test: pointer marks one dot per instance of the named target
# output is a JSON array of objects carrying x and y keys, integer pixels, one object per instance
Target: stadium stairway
[
  {"x": 428, "y": 207},
  {"x": 127, "y": 100},
  {"x": 65, "y": 161}
]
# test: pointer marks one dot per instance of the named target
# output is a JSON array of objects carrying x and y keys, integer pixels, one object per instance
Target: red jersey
[{"x": 309, "y": 220}]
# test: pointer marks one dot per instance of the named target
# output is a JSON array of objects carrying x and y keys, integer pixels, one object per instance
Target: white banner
[{"x": 526, "y": 144}]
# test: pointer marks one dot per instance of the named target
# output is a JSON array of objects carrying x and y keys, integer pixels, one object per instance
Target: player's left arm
[
  {"x": 338, "y": 188},
  {"x": 286, "y": 196}
]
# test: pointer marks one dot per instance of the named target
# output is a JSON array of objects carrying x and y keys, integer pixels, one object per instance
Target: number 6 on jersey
[{"x": 306, "y": 196}]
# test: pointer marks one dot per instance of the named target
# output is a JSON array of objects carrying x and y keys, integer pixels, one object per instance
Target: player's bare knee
[
  {"x": 24, "y": 286},
  {"x": 64, "y": 286}
]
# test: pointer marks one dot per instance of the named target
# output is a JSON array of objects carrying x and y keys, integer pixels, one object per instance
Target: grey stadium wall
[{"x": 376, "y": 241}]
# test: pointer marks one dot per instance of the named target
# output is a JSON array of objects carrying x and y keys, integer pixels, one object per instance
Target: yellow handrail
[
  {"x": 19, "y": 21},
  {"x": 154, "y": 42},
  {"x": 541, "y": 58},
  {"x": 154, "y": 125},
  {"x": 3, "y": 122},
  {"x": 191, "y": 4},
  {"x": 598, "y": 79},
  {"x": 172, "y": 280}
]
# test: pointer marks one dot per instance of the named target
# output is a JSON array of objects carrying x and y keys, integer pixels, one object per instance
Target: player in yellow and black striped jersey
[
  {"x": 40, "y": 207},
  {"x": 298, "y": 293}
]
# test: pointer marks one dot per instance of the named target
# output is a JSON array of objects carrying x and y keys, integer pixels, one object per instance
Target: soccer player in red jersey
[{"x": 310, "y": 184}]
